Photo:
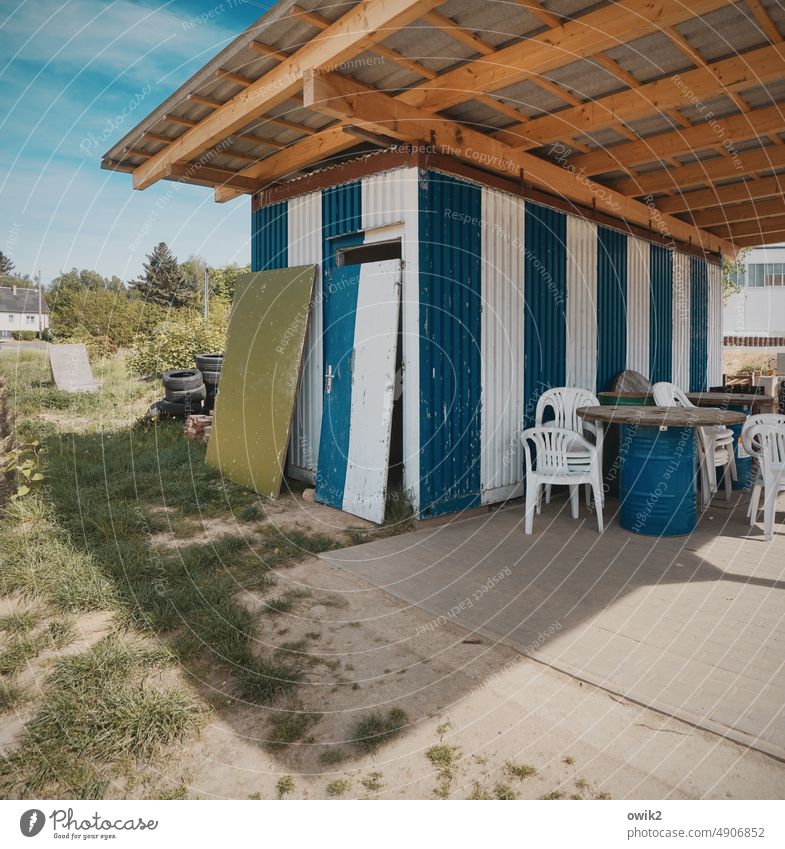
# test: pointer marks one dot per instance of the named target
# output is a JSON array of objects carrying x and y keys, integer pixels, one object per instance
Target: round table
[{"x": 658, "y": 484}]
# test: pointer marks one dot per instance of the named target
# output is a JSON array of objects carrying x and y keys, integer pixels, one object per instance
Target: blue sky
[{"x": 67, "y": 71}]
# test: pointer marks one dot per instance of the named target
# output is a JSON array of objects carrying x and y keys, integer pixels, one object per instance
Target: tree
[
  {"x": 732, "y": 273},
  {"x": 6, "y": 265},
  {"x": 75, "y": 281},
  {"x": 224, "y": 279},
  {"x": 162, "y": 281}
]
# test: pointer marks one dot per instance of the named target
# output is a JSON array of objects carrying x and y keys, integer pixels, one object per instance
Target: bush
[
  {"x": 24, "y": 335},
  {"x": 176, "y": 341}
]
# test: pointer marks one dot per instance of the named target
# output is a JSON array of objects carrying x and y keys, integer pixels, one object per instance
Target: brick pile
[{"x": 198, "y": 427}]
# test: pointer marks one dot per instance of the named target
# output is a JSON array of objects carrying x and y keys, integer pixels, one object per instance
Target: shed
[{"x": 546, "y": 187}]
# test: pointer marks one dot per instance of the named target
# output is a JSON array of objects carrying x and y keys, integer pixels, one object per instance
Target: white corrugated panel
[
  {"x": 581, "y": 303},
  {"x": 305, "y": 246},
  {"x": 715, "y": 324},
  {"x": 638, "y": 304},
  {"x": 502, "y": 345},
  {"x": 681, "y": 321},
  {"x": 385, "y": 196}
]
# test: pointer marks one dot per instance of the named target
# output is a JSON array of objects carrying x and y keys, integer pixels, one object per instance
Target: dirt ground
[
  {"x": 482, "y": 720},
  {"x": 734, "y": 358}
]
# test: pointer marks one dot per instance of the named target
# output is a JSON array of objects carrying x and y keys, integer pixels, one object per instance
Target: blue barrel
[{"x": 658, "y": 485}]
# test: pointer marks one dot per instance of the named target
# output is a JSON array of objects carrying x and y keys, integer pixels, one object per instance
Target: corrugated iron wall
[
  {"x": 638, "y": 305},
  {"x": 385, "y": 197},
  {"x": 269, "y": 237},
  {"x": 545, "y": 321},
  {"x": 661, "y": 313},
  {"x": 611, "y": 306},
  {"x": 305, "y": 247},
  {"x": 699, "y": 325},
  {"x": 714, "y": 281},
  {"x": 681, "y": 321},
  {"x": 581, "y": 369},
  {"x": 502, "y": 345},
  {"x": 450, "y": 344}
]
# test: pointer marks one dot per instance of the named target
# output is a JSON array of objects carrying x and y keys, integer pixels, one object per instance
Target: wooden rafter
[
  {"x": 755, "y": 67},
  {"x": 459, "y": 33},
  {"x": 266, "y": 50},
  {"x": 661, "y": 146},
  {"x": 536, "y": 9},
  {"x": 595, "y": 31},
  {"x": 701, "y": 199},
  {"x": 345, "y": 99},
  {"x": 750, "y": 228},
  {"x": 209, "y": 175},
  {"x": 189, "y": 122},
  {"x": 356, "y": 30},
  {"x": 764, "y": 20},
  {"x": 769, "y": 237},
  {"x": 732, "y": 213},
  {"x": 703, "y": 173}
]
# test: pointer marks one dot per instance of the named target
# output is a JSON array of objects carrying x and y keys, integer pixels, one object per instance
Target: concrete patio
[{"x": 691, "y": 626}]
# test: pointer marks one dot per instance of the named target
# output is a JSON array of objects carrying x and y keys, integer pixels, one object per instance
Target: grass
[
  {"x": 504, "y": 792},
  {"x": 101, "y": 709},
  {"x": 375, "y": 728},
  {"x": 519, "y": 771},
  {"x": 338, "y": 788},
  {"x": 290, "y": 727},
  {"x": 284, "y": 786},
  {"x": 88, "y": 540},
  {"x": 332, "y": 756},
  {"x": 445, "y": 759},
  {"x": 11, "y": 695},
  {"x": 373, "y": 781}
]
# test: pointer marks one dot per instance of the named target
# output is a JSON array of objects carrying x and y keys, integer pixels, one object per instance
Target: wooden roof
[{"x": 667, "y": 115}]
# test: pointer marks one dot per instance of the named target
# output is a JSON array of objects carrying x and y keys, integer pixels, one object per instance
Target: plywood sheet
[
  {"x": 261, "y": 368},
  {"x": 71, "y": 370}
]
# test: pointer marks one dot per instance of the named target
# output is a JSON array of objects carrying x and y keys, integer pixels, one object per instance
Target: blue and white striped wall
[{"x": 501, "y": 300}]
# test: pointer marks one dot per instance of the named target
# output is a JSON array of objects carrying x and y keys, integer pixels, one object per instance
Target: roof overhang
[{"x": 667, "y": 116}]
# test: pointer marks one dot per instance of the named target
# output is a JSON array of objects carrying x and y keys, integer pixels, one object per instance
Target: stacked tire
[
  {"x": 210, "y": 367},
  {"x": 184, "y": 392}
]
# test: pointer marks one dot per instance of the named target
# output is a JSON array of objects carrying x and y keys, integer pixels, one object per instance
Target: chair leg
[
  {"x": 727, "y": 473},
  {"x": 769, "y": 510},
  {"x": 732, "y": 454},
  {"x": 754, "y": 504},
  {"x": 704, "y": 483},
  {"x": 575, "y": 501},
  {"x": 588, "y": 489},
  {"x": 547, "y": 493},
  {"x": 532, "y": 493}
]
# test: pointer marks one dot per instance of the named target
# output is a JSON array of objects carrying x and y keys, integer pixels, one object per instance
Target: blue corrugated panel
[
  {"x": 341, "y": 209},
  {"x": 699, "y": 324},
  {"x": 611, "y": 306},
  {"x": 545, "y": 299},
  {"x": 450, "y": 293},
  {"x": 661, "y": 314},
  {"x": 269, "y": 237}
]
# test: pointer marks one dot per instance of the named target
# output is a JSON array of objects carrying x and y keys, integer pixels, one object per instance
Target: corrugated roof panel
[
  {"x": 497, "y": 22},
  {"x": 776, "y": 12},
  {"x": 529, "y": 99},
  {"x": 429, "y": 45},
  {"x": 724, "y": 32},
  {"x": 586, "y": 79},
  {"x": 650, "y": 57},
  {"x": 570, "y": 8},
  {"x": 652, "y": 125},
  {"x": 378, "y": 71},
  {"x": 768, "y": 95},
  {"x": 482, "y": 116},
  {"x": 704, "y": 110}
]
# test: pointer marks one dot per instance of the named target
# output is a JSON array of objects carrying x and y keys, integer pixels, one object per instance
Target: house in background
[
  {"x": 22, "y": 309},
  {"x": 758, "y": 309}
]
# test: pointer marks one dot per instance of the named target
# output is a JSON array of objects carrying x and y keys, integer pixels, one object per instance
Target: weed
[
  {"x": 337, "y": 788},
  {"x": 289, "y": 727},
  {"x": 332, "y": 756},
  {"x": 442, "y": 729},
  {"x": 504, "y": 792},
  {"x": 373, "y": 781},
  {"x": 519, "y": 771},
  {"x": 445, "y": 758},
  {"x": 479, "y": 793},
  {"x": 554, "y": 794},
  {"x": 285, "y": 602},
  {"x": 284, "y": 786},
  {"x": 569, "y": 760},
  {"x": 19, "y": 623},
  {"x": 11, "y": 695},
  {"x": 375, "y": 728}
]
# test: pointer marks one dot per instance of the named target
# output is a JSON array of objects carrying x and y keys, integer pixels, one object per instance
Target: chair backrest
[
  {"x": 555, "y": 450},
  {"x": 766, "y": 442},
  {"x": 564, "y": 401},
  {"x": 669, "y": 395}
]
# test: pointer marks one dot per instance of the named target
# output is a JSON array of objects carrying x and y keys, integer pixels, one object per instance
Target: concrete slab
[
  {"x": 691, "y": 626},
  {"x": 71, "y": 370}
]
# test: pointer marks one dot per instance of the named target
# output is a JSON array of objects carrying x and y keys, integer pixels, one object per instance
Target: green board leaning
[{"x": 259, "y": 376}]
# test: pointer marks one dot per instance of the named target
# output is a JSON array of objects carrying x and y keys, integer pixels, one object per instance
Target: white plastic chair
[
  {"x": 564, "y": 458},
  {"x": 715, "y": 444},
  {"x": 763, "y": 438},
  {"x": 563, "y": 401}
]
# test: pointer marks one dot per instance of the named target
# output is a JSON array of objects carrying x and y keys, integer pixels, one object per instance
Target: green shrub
[
  {"x": 24, "y": 335},
  {"x": 176, "y": 342}
]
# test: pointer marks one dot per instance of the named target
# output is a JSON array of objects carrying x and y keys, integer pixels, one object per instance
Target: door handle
[{"x": 328, "y": 380}]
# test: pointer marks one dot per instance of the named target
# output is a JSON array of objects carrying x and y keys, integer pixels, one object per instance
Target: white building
[
  {"x": 22, "y": 309},
  {"x": 759, "y": 308}
]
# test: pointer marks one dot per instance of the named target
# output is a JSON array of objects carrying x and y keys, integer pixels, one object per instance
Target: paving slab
[
  {"x": 692, "y": 626},
  {"x": 71, "y": 370}
]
